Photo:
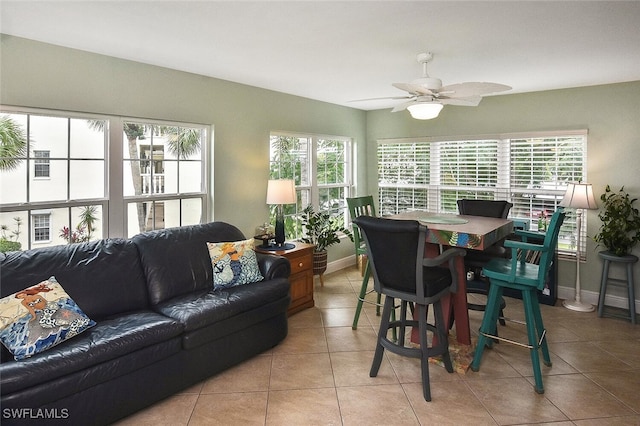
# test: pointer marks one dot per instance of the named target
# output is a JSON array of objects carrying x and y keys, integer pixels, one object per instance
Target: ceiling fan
[{"x": 427, "y": 96}]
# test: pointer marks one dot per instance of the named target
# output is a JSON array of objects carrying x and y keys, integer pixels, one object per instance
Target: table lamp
[
  {"x": 279, "y": 192},
  {"x": 579, "y": 196}
]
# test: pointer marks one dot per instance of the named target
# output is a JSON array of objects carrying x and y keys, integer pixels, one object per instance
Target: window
[
  {"x": 41, "y": 164},
  {"x": 154, "y": 176},
  {"x": 163, "y": 175},
  {"x": 321, "y": 169},
  {"x": 531, "y": 171},
  {"x": 41, "y": 227}
]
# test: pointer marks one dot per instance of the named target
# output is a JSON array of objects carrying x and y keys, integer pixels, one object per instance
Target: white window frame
[
  {"x": 40, "y": 160},
  {"x": 112, "y": 205},
  {"x": 36, "y": 216},
  {"x": 308, "y": 188},
  {"x": 429, "y": 196}
]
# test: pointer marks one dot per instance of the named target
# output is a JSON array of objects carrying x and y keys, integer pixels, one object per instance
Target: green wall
[{"x": 34, "y": 74}]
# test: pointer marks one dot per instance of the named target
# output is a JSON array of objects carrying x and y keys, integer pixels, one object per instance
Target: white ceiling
[{"x": 346, "y": 50}]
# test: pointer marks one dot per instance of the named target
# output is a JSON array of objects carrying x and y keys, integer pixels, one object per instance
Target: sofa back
[
  {"x": 176, "y": 260},
  {"x": 103, "y": 277}
]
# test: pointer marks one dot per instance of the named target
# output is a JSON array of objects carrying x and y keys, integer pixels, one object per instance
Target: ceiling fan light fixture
[{"x": 425, "y": 111}]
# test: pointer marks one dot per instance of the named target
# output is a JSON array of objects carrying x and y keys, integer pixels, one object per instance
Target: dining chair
[
  {"x": 395, "y": 249},
  {"x": 476, "y": 259},
  {"x": 362, "y": 206},
  {"x": 515, "y": 273}
]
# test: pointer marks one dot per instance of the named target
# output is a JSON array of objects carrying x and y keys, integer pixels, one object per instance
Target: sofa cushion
[
  {"x": 108, "y": 340},
  {"x": 39, "y": 317},
  {"x": 234, "y": 263},
  {"x": 95, "y": 274},
  {"x": 207, "y": 308},
  {"x": 176, "y": 260}
]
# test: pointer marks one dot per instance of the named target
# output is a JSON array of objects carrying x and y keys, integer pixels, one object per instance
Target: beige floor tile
[
  {"x": 610, "y": 421},
  {"x": 375, "y": 405},
  {"x": 303, "y": 407},
  {"x": 303, "y": 340},
  {"x": 248, "y": 408},
  {"x": 492, "y": 366},
  {"x": 308, "y": 318},
  {"x": 340, "y": 284},
  {"x": 301, "y": 371},
  {"x": 342, "y": 317},
  {"x": 336, "y": 300},
  {"x": 520, "y": 359},
  {"x": 588, "y": 357},
  {"x": 626, "y": 350},
  {"x": 580, "y": 398},
  {"x": 452, "y": 403},
  {"x": 347, "y": 339},
  {"x": 408, "y": 370},
  {"x": 250, "y": 376},
  {"x": 352, "y": 369},
  {"x": 513, "y": 401},
  {"x": 624, "y": 385},
  {"x": 173, "y": 411}
]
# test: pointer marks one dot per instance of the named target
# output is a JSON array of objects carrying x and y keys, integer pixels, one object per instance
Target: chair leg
[
  {"x": 384, "y": 327},
  {"x": 542, "y": 337},
  {"x": 530, "y": 318},
  {"x": 488, "y": 325},
  {"x": 443, "y": 337},
  {"x": 424, "y": 359},
  {"x": 362, "y": 295}
]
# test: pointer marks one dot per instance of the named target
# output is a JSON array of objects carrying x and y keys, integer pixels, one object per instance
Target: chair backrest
[
  {"x": 395, "y": 249},
  {"x": 360, "y": 206},
  {"x": 549, "y": 243},
  {"x": 487, "y": 208}
]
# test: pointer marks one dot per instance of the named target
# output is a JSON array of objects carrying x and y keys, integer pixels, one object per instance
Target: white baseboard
[
  {"x": 563, "y": 292},
  {"x": 592, "y": 297}
]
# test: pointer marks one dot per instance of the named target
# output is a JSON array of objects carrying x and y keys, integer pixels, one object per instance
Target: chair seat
[{"x": 525, "y": 274}]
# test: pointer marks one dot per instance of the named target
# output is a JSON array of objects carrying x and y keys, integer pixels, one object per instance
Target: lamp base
[{"x": 574, "y": 305}]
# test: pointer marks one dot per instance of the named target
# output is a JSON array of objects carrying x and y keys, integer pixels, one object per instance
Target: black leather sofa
[{"x": 160, "y": 325}]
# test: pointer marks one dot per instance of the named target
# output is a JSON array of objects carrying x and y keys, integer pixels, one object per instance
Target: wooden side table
[{"x": 301, "y": 259}]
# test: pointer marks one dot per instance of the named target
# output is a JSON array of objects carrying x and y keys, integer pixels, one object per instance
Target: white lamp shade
[
  {"x": 281, "y": 191},
  {"x": 424, "y": 111},
  {"x": 579, "y": 196}
]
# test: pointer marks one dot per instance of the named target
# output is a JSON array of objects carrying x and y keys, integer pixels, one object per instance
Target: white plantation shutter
[{"x": 531, "y": 171}]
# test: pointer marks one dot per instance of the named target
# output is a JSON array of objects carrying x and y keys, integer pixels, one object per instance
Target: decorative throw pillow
[
  {"x": 39, "y": 317},
  {"x": 234, "y": 263}
]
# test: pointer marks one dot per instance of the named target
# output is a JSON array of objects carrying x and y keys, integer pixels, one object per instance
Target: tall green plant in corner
[{"x": 620, "y": 229}]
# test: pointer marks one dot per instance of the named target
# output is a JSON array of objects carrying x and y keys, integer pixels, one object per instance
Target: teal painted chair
[
  {"x": 517, "y": 274},
  {"x": 362, "y": 206}
]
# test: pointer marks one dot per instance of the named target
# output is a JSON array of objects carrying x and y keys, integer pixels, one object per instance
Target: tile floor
[{"x": 319, "y": 375}]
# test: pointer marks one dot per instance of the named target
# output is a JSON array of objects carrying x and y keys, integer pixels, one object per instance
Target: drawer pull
[{"x": 300, "y": 264}]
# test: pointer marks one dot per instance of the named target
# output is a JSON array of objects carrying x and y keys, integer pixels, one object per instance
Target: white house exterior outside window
[{"x": 41, "y": 164}]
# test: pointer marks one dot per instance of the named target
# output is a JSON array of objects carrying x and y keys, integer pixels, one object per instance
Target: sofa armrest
[{"x": 273, "y": 266}]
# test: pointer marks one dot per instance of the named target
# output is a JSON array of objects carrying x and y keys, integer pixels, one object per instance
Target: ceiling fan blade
[
  {"x": 413, "y": 88},
  {"x": 382, "y": 99},
  {"x": 469, "y": 101},
  {"x": 472, "y": 89}
]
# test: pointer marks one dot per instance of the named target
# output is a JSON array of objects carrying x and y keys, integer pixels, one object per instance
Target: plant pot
[{"x": 319, "y": 262}]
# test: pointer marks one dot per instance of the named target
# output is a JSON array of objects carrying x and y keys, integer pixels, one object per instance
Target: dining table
[{"x": 464, "y": 231}]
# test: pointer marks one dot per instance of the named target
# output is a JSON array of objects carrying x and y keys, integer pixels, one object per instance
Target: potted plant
[
  {"x": 620, "y": 229},
  {"x": 321, "y": 229}
]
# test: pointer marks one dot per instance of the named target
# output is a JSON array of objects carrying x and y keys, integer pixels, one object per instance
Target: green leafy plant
[
  {"x": 10, "y": 242},
  {"x": 321, "y": 228},
  {"x": 85, "y": 228},
  {"x": 620, "y": 229}
]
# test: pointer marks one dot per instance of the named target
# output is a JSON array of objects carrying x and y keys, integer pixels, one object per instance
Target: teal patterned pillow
[
  {"x": 234, "y": 263},
  {"x": 39, "y": 317}
]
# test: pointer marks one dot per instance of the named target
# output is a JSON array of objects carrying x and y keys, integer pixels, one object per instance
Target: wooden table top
[{"x": 470, "y": 232}]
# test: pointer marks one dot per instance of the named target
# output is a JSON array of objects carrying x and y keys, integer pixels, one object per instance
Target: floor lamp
[{"x": 579, "y": 196}]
